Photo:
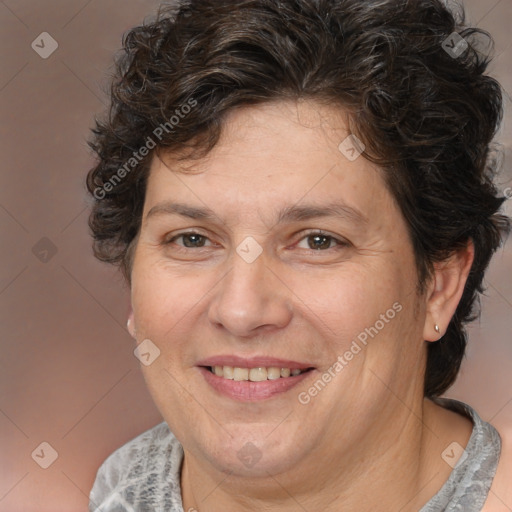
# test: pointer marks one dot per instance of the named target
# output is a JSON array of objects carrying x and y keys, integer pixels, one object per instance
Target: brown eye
[
  {"x": 190, "y": 240},
  {"x": 318, "y": 241}
]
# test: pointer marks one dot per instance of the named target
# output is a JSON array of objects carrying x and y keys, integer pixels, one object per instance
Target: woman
[{"x": 300, "y": 196}]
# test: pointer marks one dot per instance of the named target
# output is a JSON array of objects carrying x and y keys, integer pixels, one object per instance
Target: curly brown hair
[{"x": 410, "y": 74}]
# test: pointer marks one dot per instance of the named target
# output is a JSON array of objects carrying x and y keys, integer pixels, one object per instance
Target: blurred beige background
[{"x": 68, "y": 374}]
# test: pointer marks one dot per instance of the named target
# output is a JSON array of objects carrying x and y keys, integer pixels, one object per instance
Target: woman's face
[{"x": 285, "y": 251}]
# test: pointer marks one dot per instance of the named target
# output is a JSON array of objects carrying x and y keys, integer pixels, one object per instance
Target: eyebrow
[{"x": 288, "y": 214}]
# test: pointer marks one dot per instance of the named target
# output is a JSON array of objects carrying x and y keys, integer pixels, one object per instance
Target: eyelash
[{"x": 339, "y": 243}]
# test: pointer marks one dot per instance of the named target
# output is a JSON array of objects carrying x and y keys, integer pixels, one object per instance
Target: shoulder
[
  {"x": 129, "y": 459},
  {"x": 146, "y": 456},
  {"x": 500, "y": 494}
]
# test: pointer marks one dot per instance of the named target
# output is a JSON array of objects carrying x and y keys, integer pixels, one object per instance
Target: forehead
[
  {"x": 269, "y": 157},
  {"x": 285, "y": 131}
]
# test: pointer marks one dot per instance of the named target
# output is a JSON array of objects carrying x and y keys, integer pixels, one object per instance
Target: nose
[{"x": 250, "y": 300}]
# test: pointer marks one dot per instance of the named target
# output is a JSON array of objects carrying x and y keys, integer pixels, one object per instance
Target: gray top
[
  {"x": 470, "y": 480},
  {"x": 144, "y": 474}
]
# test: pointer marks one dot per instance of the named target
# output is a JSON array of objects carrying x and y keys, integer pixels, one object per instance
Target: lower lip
[{"x": 247, "y": 391}]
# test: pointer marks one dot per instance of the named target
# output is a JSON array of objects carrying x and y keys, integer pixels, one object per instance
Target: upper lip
[{"x": 252, "y": 362}]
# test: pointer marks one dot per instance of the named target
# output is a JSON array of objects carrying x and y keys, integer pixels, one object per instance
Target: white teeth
[
  {"x": 257, "y": 374},
  {"x": 241, "y": 373},
  {"x": 273, "y": 373},
  {"x": 229, "y": 372},
  {"x": 254, "y": 374}
]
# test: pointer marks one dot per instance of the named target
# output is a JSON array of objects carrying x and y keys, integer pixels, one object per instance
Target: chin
[{"x": 247, "y": 455}]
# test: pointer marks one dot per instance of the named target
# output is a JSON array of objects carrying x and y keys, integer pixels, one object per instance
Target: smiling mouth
[{"x": 257, "y": 374}]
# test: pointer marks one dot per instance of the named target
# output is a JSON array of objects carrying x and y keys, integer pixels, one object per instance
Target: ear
[
  {"x": 445, "y": 290},
  {"x": 130, "y": 324}
]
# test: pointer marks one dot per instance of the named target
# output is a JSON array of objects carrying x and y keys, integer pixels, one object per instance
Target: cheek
[
  {"x": 161, "y": 299},
  {"x": 345, "y": 301}
]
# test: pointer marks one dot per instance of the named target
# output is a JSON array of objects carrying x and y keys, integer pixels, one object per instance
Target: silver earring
[{"x": 436, "y": 327}]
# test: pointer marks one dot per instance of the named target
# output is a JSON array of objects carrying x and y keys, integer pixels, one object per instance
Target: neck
[{"x": 397, "y": 467}]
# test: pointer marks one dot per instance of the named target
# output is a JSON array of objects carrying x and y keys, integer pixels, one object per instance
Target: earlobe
[
  {"x": 446, "y": 290},
  {"x": 130, "y": 324}
]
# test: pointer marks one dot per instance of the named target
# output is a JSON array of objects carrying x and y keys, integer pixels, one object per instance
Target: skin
[{"x": 368, "y": 440}]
